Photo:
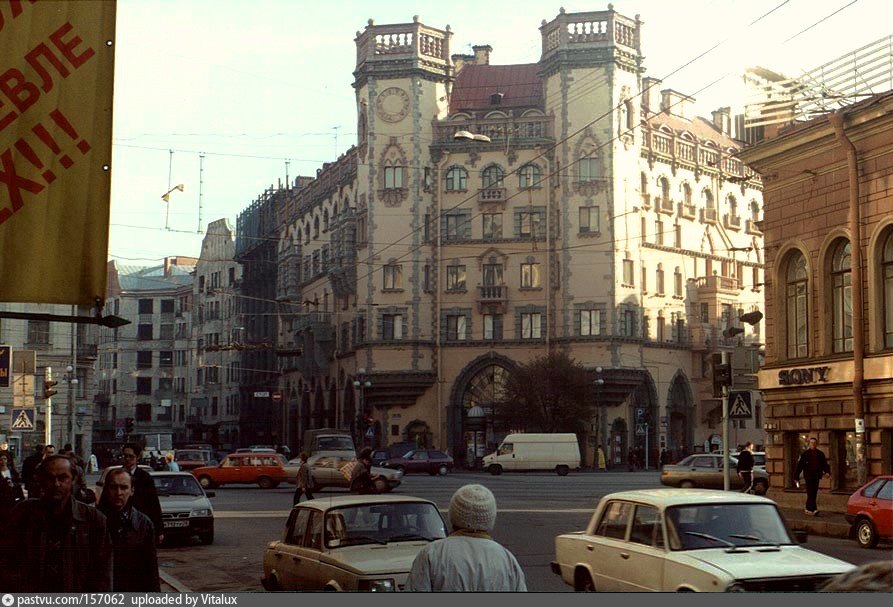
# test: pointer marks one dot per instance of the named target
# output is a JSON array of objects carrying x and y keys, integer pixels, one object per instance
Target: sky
[{"x": 262, "y": 89}]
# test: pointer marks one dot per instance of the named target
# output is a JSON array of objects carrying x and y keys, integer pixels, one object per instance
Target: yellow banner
[{"x": 57, "y": 61}]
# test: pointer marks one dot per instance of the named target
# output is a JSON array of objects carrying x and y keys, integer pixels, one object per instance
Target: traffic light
[
  {"x": 128, "y": 425},
  {"x": 48, "y": 391},
  {"x": 722, "y": 375}
]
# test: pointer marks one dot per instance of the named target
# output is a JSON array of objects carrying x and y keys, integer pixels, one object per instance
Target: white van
[{"x": 522, "y": 452}]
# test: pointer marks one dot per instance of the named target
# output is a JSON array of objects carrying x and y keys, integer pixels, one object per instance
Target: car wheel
[
  {"x": 866, "y": 534},
  {"x": 562, "y": 470},
  {"x": 206, "y": 538},
  {"x": 583, "y": 581},
  {"x": 443, "y": 470},
  {"x": 761, "y": 487},
  {"x": 401, "y": 469},
  {"x": 265, "y": 482},
  {"x": 206, "y": 482},
  {"x": 495, "y": 469},
  {"x": 686, "y": 484},
  {"x": 272, "y": 584}
]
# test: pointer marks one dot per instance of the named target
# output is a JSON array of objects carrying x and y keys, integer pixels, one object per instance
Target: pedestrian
[
  {"x": 744, "y": 467},
  {"x": 469, "y": 560},
  {"x": 54, "y": 543},
  {"x": 29, "y": 466},
  {"x": 10, "y": 488},
  {"x": 361, "y": 480},
  {"x": 602, "y": 463},
  {"x": 145, "y": 497},
  {"x": 94, "y": 463},
  {"x": 132, "y": 535},
  {"x": 303, "y": 479},
  {"x": 81, "y": 492},
  {"x": 813, "y": 465},
  {"x": 664, "y": 457},
  {"x": 170, "y": 465}
]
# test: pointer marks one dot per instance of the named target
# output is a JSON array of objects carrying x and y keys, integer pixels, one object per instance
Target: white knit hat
[{"x": 473, "y": 507}]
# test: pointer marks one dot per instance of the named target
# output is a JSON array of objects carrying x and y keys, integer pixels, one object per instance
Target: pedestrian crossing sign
[
  {"x": 740, "y": 405},
  {"x": 22, "y": 420}
]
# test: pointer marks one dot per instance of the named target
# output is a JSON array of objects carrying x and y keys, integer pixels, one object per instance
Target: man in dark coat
[
  {"x": 745, "y": 467},
  {"x": 55, "y": 544},
  {"x": 133, "y": 536},
  {"x": 145, "y": 497},
  {"x": 813, "y": 465}
]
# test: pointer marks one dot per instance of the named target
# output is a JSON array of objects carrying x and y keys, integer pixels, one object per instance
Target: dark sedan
[{"x": 431, "y": 461}]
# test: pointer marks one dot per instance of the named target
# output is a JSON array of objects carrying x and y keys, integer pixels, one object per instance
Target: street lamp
[
  {"x": 469, "y": 136},
  {"x": 361, "y": 384},
  {"x": 71, "y": 379},
  {"x": 602, "y": 414}
]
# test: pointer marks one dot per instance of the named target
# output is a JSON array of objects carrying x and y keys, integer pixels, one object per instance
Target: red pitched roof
[{"x": 519, "y": 84}]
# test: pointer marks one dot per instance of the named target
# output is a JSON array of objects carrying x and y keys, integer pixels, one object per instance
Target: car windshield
[
  {"x": 383, "y": 523},
  {"x": 334, "y": 443},
  {"x": 177, "y": 485},
  {"x": 699, "y": 526}
]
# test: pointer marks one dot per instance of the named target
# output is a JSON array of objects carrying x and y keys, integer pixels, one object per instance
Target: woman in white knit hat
[{"x": 468, "y": 560}]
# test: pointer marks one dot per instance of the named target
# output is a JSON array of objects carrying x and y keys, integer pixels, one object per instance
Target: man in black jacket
[
  {"x": 813, "y": 465},
  {"x": 745, "y": 467},
  {"x": 145, "y": 497},
  {"x": 133, "y": 536}
]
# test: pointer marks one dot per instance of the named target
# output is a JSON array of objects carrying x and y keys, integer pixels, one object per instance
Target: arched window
[
  {"x": 491, "y": 177},
  {"x": 686, "y": 193},
  {"x": 307, "y": 233},
  {"x": 644, "y": 190},
  {"x": 529, "y": 176},
  {"x": 796, "y": 294},
  {"x": 733, "y": 206},
  {"x": 887, "y": 277},
  {"x": 664, "y": 189},
  {"x": 708, "y": 199},
  {"x": 316, "y": 227},
  {"x": 754, "y": 211},
  {"x": 456, "y": 179},
  {"x": 677, "y": 282},
  {"x": 841, "y": 299},
  {"x": 325, "y": 220},
  {"x": 660, "y": 279}
]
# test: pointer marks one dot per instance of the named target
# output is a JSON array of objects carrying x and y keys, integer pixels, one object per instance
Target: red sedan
[{"x": 870, "y": 511}]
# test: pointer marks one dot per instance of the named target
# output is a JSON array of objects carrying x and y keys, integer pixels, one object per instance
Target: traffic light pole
[
  {"x": 48, "y": 431},
  {"x": 726, "y": 473}
]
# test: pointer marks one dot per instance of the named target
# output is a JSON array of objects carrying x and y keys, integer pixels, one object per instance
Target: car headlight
[
  {"x": 200, "y": 512},
  {"x": 736, "y": 587},
  {"x": 386, "y": 585}
]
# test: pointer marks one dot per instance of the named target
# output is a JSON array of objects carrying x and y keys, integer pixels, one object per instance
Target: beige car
[
  {"x": 325, "y": 471},
  {"x": 351, "y": 542},
  {"x": 704, "y": 470}
]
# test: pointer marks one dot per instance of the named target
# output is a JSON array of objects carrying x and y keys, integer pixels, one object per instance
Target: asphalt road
[{"x": 533, "y": 509}]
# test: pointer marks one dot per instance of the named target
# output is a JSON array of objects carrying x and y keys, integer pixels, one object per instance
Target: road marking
[
  {"x": 285, "y": 513},
  {"x": 173, "y": 582}
]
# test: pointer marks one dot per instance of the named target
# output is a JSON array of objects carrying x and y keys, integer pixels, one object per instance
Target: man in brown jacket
[{"x": 303, "y": 479}]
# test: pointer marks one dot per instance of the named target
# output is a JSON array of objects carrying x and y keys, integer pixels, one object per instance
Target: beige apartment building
[{"x": 598, "y": 216}]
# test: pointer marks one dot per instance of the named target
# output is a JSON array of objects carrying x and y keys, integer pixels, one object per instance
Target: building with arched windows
[
  {"x": 591, "y": 212},
  {"x": 828, "y": 227}
]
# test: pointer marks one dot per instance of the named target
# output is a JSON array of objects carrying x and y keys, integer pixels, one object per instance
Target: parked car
[
  {"x": 380, "y": 456},
  {"x": 97, "y": 489},
  {"x": 351, "y": 542},
  {"x": 759, "y": 459},
  {"x": 325, "y": 471},
  {"x": 267, "y": 470},
  {"x": 431, "y": 461},
  {"x": 185, "y": 508},
  {"x": 190, "y": 459},
  {"x": 692, "y": 540},
  {"x": 705, "y": 470},
  {"x": 870, "y": 511}
]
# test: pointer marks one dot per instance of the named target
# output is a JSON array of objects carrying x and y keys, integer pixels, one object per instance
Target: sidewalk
[{"x": 829, "y": 524}]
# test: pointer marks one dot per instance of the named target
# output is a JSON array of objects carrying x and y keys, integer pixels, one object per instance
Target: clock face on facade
[{"x": 392, "y": 104}]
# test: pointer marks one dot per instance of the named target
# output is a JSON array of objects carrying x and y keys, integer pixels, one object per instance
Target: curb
[{"x": 173, "y": 582}]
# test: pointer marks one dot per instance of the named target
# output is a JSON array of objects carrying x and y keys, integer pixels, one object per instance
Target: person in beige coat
[{"x": 303, "y": 479}]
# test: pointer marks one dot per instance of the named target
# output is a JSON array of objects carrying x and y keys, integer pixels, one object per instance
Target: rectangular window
[
  {"x": 492, "y": 326},
  {"x": 144, "y": 360},
  {"x": 145, "y": 306},
  {"x": 166, "y": 358},
  {"x": 391, "y": 326},
  {"x": 455, "y": 226},
  {"x": 144, "y": 385},
  {"x": 530, "y": 224},
  {"x": 144, "y": 412},
  {"x": 705, "y": 313},
  {"x": 493, "y": 275},
  {"x": 455, "y": 278},
  {"x": 530, "y": 275},
  {"x": 393, "y": 178},
  {"x": 590, "y": 322},
  {"x": 644, "y": 279},
  {"x": 677, "y": 284},
  {"x": 166, "y": 332},
  {"x": 659, "y": 232},
  {"x": 456, "y": 180},
  {"x": 38, "y": 332},
  {"x": 167, "y": 306},
  {"x": 426, "y": 279},
  {"x": 531, "y": 325},
  {"x": 678, "y": 239},
  {"x": 456, "y": 327},
  {"x": 393, "y": 277},
  {"x": 492, "y": 225},
  {"x": 755, "y": 278},
  {"x": 628, "y": 322},
  {"x": 659, "y": 284},
  {"x": 144, "y": 332},
  {"x": 589, "y": 169},
  {"x": 628, "y": 269},
  {"x": 589, "y": 220},
  {"x": 661, "y": 328}
]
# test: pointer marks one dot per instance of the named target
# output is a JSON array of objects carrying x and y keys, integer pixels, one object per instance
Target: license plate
[{"x": 176, "y": 523}]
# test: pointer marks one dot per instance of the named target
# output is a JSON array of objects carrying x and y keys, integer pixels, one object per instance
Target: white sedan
[
  {"x": 689, "y": 540},
  {"x": 351, "y": 542}
]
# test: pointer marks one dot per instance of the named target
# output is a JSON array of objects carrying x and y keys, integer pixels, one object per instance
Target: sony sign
[{"x": 796, "y": 377}]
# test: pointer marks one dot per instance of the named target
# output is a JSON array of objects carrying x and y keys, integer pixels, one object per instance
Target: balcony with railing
[
  {"x": 712, "y": 285},
  {"x": 493, "y": 296},
  {"x": 515, "y": 131},
  {"x": 708, "y": 215},
  {"x": 688, "y": 211},
  {"x": 753, "y": 227},
  {"x": 731, "y": 222},
  {"x": 491, "y": 195},
  {"x": 664, "y": 205}
]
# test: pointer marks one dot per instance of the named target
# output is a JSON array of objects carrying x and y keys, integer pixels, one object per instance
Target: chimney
[
  {"x": 167, "y": 267},
  {"x": 722, "y": 120},
  {"x": 650, "y": 88},
  {"x": 675, "y": 103},
  {"x": 482, "y": 54},
  {"x": 460, "y": 61}
]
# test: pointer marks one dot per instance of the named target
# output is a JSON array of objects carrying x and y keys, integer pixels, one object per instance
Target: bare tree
[{"x": 551, "y": 393}]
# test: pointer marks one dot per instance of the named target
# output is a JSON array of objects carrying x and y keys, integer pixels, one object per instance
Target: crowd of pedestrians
[{"x": 62, "y": 539}]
